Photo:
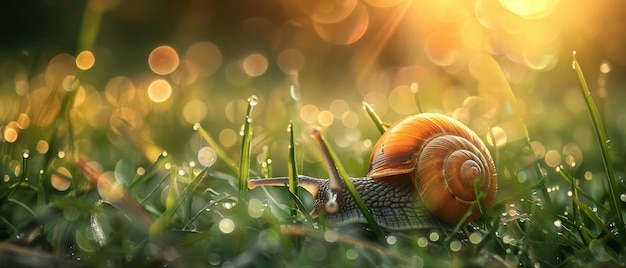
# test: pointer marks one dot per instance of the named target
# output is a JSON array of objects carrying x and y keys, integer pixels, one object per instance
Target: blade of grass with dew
[
  {"x": 293, "y": 171},
  {"x": 301, "y": 207},
  {"x": 578, "y": 220},
  {"x": 266, "y": 166},
  {"x": 493, "y": 83},
  {"x": 151, "y": 171},
  {"x": 336, "y": 169},
  {"x": 375, "y": 118},
  {"x": 157, "y": 227},
  {"x": 218, "y": 149},
  {"x": 172, "y": 192},
  {"x": 246, "y": 147},
  {"x": 604, "y": 149}
]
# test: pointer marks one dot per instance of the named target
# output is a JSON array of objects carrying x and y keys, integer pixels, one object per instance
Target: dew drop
[
  {"x": 196, "y": 126},
  {"x": 253, "y": 100},
  {"x": 164, "y": 154},
  {"x": 414, "y": 87},
  {"x": 622, "y": 197},
  {"x": 241, "y": 130},
  {"x": 26, "y": 154},
  {"x": 61, "y": 154}
]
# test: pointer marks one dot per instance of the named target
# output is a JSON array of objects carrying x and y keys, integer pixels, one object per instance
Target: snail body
[{"x": 422, "y": 173}]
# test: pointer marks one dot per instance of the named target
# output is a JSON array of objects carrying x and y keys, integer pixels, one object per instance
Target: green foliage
[{"x": 161, "y": 214}]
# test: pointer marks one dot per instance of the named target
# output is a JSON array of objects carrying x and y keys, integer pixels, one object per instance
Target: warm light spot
[
  {"x": 378, "y": 100},
  {"x": 440, "y": 49},
  {"x": 163, "y": 60},
  {"x": 291, "y": 61},
  {"x": 207, "y": 156},
  {"x": 194, "y": 111},
  {"x": 42, "y": 146},
  {"x": 350, "y": 119},
  {"x": 553, "y": 158},
  {"x": 227, "y": 137},
  {"x": 159, "y": 90},
  {"x": 347, "y": 30},
  {"x": 332, "y": 11},
  {"x": 23, "y": 121},
  {"x": 383, "y": 3},
  {"x": 325, "y": 118},
  {"x": 338, "y": 107},
  {"x": 85, "y": 60},
  {"x": 21, "y": 84},
  {"x": 10, "y": 134},
  {"x": 605, "y": 67},
  {"x": 588, "y": 175},
  {"x": 308, "y": 113},
  {"x": 255, "y": 65},
  {"x": 573, "y": 154},
  {"x": 59, "y": 67},
  {"x": 235, "y": 110},
  {"x": 108, "y": 188},
  {"x": 70, "y": 83},
  {"x": 530, "y": 9},
  {"x": 205, "y": 56},
  {"x": 235, "y": 74},
  {"x": 186, "y": 74},
  {"x": 538, "y": 148},
  {"x": 498, "y": 135},
  {"x": 119, "y": 91},
  {"x": 61, "y": 182},
  {"x": 402, "y": 100}
]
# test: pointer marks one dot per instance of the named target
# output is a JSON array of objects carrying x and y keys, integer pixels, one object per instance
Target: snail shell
[
  {"x": 443, "y": 158},
  {"x": 422, "y": 172}
]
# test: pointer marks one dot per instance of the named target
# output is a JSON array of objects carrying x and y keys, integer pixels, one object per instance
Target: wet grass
[{"x": 170, "y": 215}]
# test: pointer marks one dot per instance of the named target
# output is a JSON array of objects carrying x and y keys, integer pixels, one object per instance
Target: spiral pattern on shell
[{"x": 443, "y": 157}]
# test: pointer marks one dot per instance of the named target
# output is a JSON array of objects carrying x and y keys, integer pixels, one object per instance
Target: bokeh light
[
  {"x": 62, "y": 180},
  {"x": 163, "y": 60},
  {"x": 159, "y": 90},
  {"x": 85, "y": 60},
  {"x": 343, "y": 27},
  {"x": 255, "y": 64},
  {"x": 205, "y": 56}
]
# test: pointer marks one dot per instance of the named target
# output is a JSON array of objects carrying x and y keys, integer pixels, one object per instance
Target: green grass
[{"x": 189, "y": 216}]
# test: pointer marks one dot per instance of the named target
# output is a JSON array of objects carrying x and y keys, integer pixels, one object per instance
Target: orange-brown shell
[{"x": 443, "y": 157}]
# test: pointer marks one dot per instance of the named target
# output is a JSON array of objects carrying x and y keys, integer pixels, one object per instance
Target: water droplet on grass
[{"x": 253, "y": 100}]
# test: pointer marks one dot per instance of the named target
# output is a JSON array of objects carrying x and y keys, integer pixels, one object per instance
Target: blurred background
[{"x": 142, "y": 73}]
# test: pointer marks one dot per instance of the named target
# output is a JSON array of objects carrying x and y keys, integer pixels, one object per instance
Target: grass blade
[
  {"x": 218, "y": 149},
  {"x": 375, "y": 118},
  {"x": 246, "y": 147},
  {"x": 293, "y": 172},
  {"x": 336, "y": 169},
  {"x": 604, "y": 150}
]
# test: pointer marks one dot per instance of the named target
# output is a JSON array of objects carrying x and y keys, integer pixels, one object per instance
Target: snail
[{"x": 422, "y": 174}]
